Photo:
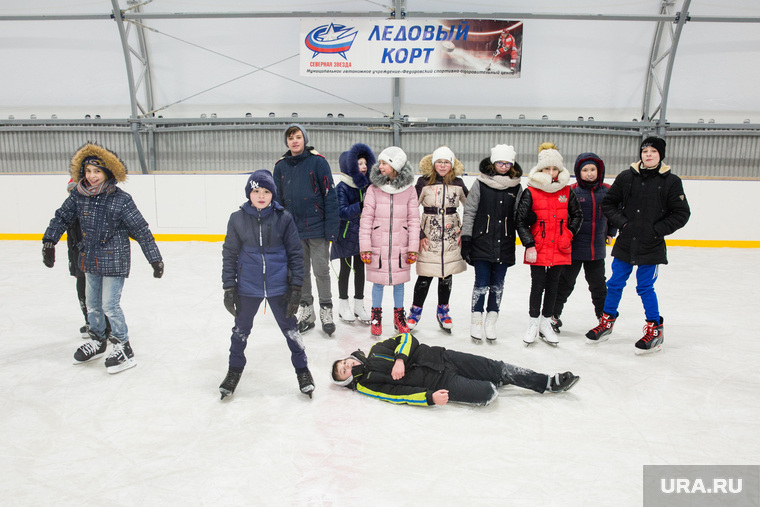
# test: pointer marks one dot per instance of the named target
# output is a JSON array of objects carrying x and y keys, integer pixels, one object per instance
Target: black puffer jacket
[{"x": 645, "y": 205}]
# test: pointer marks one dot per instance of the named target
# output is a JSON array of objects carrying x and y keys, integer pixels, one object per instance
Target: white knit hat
[
  {"x": 443, "y": 153},
  {"x": 504, "y": 153},
  {"x": 394, "y": 156},
  {"x": 548, "y": 158}
]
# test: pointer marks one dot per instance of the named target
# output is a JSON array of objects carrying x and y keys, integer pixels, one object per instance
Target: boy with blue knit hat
[
  {"x": 305, "y": 188},
  {"x": 262, "y": 259}
]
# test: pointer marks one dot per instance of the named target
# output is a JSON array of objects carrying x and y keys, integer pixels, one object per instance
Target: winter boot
[
  {"x": 601, "y": 332},
  {"x": 376, "y": 323},
  {"x": 325, "y": 315},
  {"x": 654, "y": 335},
  {"x": 121, "y": 358},
  {"x": 561, "y": 382},
  {"x": 490, "y": 327},
  {"x": 476, "y": 326},
  {"x": 360, "y": 312},
  {"x": 306, "y": 318},
  {"x": 556, "y": 323},
  {"x": 546, "y": 332},
  {"x": 532, "y": 333},
  {"x": 415, "y": 312},
  {"x": 444, "y": 320},
  {"x": 230, "y": 382},
  {"x": 399, "y": 321},
  {"x": 305, "y": 382},
  {"x": 344, "y": 311},
  {"x": 93, "y": 349}
]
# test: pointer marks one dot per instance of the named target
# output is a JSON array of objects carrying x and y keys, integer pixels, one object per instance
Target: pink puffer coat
[{"x": 390, "y": 226}]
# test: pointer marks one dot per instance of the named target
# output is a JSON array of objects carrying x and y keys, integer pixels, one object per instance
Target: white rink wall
[{"x": 196, "y": 207}]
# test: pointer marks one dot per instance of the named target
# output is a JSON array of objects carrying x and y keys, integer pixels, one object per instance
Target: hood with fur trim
[
  {"x": 427, "y": 169},
  {"x": 403, "y": 180},
  {"x": 349, "y": 165},
  {"x": 112, "y": 162}
]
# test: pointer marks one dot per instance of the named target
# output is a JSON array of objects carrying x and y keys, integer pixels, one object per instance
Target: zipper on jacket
[
  {"x": 263, "y": 258},
  {"x": 561, "y": 223},
  {"x": 593, "y": 225},
  {"x": 488, "y": 223},
  {"x": 390, "y": 246},
  {"x": 443, "y": 231}
]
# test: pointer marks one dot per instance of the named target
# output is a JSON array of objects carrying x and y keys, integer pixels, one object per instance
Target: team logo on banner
[{"x": 331, "y": 39}]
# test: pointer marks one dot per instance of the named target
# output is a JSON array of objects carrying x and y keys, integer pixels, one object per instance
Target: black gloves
[
  {"x": 232, "y": 301},
  {"x": 158, "y": 269},
  {"x": 293, "y": 301},
  {"x": 467, "y": 249},
  {"x": 48, "y": 253}
]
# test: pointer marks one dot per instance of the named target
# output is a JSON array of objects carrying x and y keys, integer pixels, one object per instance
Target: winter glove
[
  {"x": 411, "y": 257},
  {"x": 232, "y": 301},
  {"x": 467, "y": 249},
  {"x": 366, "y": 257},
  {"x": 158, "y": 269},
  {"x": 48, "y": 253},
  {"x": 293, "y": 301}
]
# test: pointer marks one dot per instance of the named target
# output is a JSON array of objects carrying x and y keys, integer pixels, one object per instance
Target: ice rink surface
[{"x": 158, "y": 434}]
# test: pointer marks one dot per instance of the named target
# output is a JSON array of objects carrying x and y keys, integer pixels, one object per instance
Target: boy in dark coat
[
  {"x": 262, "y": 259},
  {"x": 590, "y": 244},
  {"x": 108, "y": 217},
  {"x": 403, "y": 370},
  {"x": 646, "y": 203},
  {"x": 305, "y": 188}
]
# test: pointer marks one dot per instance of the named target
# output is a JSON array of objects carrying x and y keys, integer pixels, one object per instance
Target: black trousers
[
  {"x": 345, "y": 273},
  {"x": 543, "y": 282},
  {"x": 474, "y": 379},
  {"x": 597, "y": 284},
  {"x": 422, "y": 287}
]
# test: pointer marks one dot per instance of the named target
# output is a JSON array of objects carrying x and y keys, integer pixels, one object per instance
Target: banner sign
[{"x": 410, "y": 48}]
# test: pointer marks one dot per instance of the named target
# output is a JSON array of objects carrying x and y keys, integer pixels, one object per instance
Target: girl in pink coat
[{"x": 389, "y": 233}]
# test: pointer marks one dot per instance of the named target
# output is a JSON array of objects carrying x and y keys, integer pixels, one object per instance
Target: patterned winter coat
[
  {"x": 489, "y": 215},
  {"x": 305, "y": 188},
  {"x": 352, "y": 186},
  {"x": 107, "y": 221},
  {"x": 262, "y": 253},
  {"x": 645, "y": 205},
  {"x": 440, "y": 221},
  {"x": 591, "y": 241},
  {"x": 390, "y": 226},
  {"x": 548, "y": 216}
]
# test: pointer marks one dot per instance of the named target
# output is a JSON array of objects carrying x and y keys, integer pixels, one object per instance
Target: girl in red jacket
[{"x": 548, "y": 216}]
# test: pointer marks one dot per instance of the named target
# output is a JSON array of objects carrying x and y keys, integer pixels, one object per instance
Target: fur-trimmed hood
[
  {"x": 401, "y": 182},
  {"x": 426, "y": 166},
  {"x": 112, "y": 162},
  {"x": 349, "y": 165}
]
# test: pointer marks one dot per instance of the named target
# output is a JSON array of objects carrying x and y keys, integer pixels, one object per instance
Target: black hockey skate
[
  {"x": 305, "y": 382},
  {"x": 306, "y": 318},
  {"x": 230, "y": 383},
  {"x": 561, "y": 382},
  {"x": 556, "y": 323},
  {"x": 326, "y": 316}
]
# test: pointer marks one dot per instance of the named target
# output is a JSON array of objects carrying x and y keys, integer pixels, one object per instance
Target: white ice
[{"x": 158, "y": 434}]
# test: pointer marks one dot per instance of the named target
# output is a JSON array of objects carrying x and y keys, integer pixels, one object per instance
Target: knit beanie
[
  {"x": 656, "y": 143},
  {"x": 394, "y": 156},
  {"x": 548, "y": 158},
  {"x": 503, "y": 153},
  {"x": 303, "y": 131},
  {"x": 443, "y": 153},
  {"x": 260, "y": 179}
]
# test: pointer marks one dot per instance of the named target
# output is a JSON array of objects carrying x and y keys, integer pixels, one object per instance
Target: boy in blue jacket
[{"x": 262, "y": 259}]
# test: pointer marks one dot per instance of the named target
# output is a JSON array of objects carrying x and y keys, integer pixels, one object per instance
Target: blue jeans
[
  {"x": 377, "y": 295},
  {"x": 646, "y": 275},
  {"x": 103, "y": 295},
  {"x": 489, "y": 278}
]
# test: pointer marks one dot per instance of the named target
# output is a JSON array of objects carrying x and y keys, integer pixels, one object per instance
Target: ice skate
[
  {"x": 399, "y": 321},
  {"x": 556, "y": 323},
  {"x": 561, "y": 382},
  {"x": 121, "y": 358},
  {"x": 444, "y": 320},
  {"x": 601, "y": 332},
  {"x": 415, "y": 312},
  {"x": 532, "y": 333},
  {"x": 305, "y": 382},
  {"x": 230, "y": 382},
  {"x": 93, "y": 349},
  {"x": 476, "y": 327},
  {"x": 653, "y": 337},
  {"x": 490, "y": 326},
  {"x": 546, "y": 332},
  {"x": 376, "y": 324},
  {"x": 359, "y": 311},
  {"x": 306, "y": 318},
  {"x": 326, "y": 316},
  {"x": 344, "y": 312}
]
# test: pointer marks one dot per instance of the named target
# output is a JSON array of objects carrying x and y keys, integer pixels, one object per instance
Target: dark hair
[
  {"x": 292, "y": 130},
  {"x": 335, "y": 370}
]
